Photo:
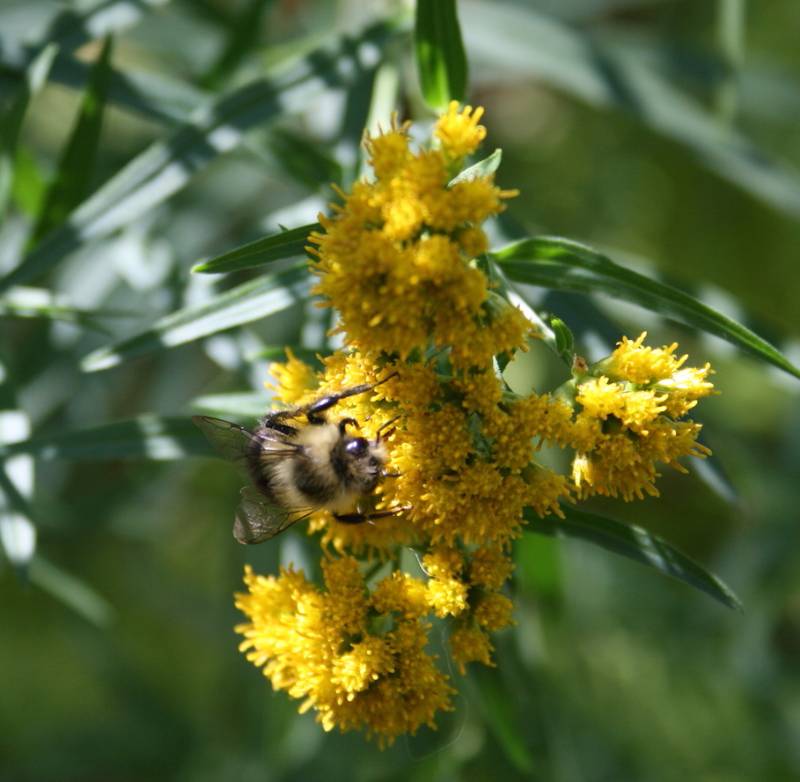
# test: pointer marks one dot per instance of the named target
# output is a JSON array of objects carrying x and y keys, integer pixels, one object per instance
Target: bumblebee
[{"x": 298, "y": 462}]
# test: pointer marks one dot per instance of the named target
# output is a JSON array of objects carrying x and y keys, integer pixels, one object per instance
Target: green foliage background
[{"x": 662, "y": 132}]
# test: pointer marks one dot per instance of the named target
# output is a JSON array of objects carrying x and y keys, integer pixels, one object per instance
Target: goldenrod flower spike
[{"x": 397, "y": 261}]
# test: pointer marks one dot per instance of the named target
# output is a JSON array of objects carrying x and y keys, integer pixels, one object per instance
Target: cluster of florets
[{"x": 398, "y": 262}]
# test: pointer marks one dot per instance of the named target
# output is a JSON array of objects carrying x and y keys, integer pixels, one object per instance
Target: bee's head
[{"x": 361, "y": 461}]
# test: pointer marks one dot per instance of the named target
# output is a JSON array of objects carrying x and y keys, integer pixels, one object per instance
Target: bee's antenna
[
  {"x": 386, "y": 379},
  {"x": 379, "y": 434}
]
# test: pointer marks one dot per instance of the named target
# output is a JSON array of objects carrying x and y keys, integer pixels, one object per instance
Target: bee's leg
[
  {"x": 344, "y": 423},
  {"x": 274, "y": 421},
  {"x": 360, "y": 518},
  {"x": 386, "y": 430},
  {"x": 315, "y": 409},
  {"x": 350, "y": 518}
]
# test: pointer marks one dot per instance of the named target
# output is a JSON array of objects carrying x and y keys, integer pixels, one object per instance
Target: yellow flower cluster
[
  {"x": 399, "y": 262},
  {"x": 397, "y": 259},
  {"x": 358, "y": 660}
]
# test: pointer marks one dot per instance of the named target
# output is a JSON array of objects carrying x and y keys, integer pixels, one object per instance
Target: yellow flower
[
  {"x": 295, "y": 379},
  {"x": 447, "y": 596},
  {"x": 315, "y": 645},
  {"x": 469, "y": 644},
  {"x": 399, "y": 259},
  {"x": 493, "y": 612},
  {"x": 395, "y": 257},
  {"x": 627, "y": 420},
  {"x": 459, "y": 132},
  {"x": 489, "y": 567}
]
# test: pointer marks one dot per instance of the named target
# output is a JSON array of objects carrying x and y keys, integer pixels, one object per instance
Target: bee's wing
[
  {"x": 258, "y": 519},
  {"x": 230, "y": 440}
]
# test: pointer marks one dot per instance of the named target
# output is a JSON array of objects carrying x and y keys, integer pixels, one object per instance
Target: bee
[{"x": 298, "y": 462}]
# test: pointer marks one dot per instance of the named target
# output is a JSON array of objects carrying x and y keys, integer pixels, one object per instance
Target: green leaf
[
  {"x": 441, "y": 61},
  {"x": 17, "y": 528},
  {"x": 482, "y": 168},
  {"x": 74, "y": 173},
  {"x": 562, "y": 264},
  {"x": 72, "y": 28},
  {"x": 518, "y": 40},
  {"x": 286, "y": 244},
  {"x": 244, "y": 34},
  {"x": 167, "y": 166},
  {"x": 69, "y": 30},
  {"x": 71, "y": 591},
  {"x": 145, "y": 437},
  {"x": 502, "y": 718},
  {"x": 162, "y": 98},
  {"x": 25, "y": 302},
  {"x": 565, "y": 341},
  {"x": 29, "y": 186},
  {"x": 245, "y": 303},
  {"x": 12, "y": 116},
  {"x": 237, "y": 405},
  {"x": 637, "y": 544},
  {"x": 303, "y": 159}
]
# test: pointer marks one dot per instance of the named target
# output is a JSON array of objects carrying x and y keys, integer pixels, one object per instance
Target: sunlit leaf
[
  {"x": 482, "y": 168},
  {"x": 244, "y": 33},
  {"x": 517, "y": 39},
  {"x": 146, "y": 437},
  {"x": 552, "y": 262},
  {"x": 71, "y": 28},
  {"x": 441, "y": 61},
  {"x": 245, "y": 303},
  {"x": 12, "y": 115},
  {"x": 25, "y": 302},
  {"x": 157, "y": 96},
  {"x": 239, "y": 406},
  {"x": 17, "y": 530},
  {"x": 286, "y": 244},
  {"x": 635, "y": 543},
  {"x": 74, "y": 173},
  {"x": 167, "y": 166},
  {"x": 29, "y": 186}
]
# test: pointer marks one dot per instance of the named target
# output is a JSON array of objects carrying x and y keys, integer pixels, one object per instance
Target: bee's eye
[{"x": 357, "y": 446}]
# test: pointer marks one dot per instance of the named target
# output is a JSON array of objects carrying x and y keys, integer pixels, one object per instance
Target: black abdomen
[{"x": 314, "y": 483}]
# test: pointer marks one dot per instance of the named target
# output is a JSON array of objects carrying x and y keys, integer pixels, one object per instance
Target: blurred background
[{"x": 662, "y": 132}]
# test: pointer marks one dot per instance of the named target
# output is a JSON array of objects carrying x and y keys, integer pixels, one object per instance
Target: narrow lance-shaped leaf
[
  {"x": 236, "y": 405},
  {"x": 74, "y": 173},
  {"x": 166, "y": 166},
  {"x": 243, "y": 35},
  {"x": 70, "y": 590},
  {"x": 503, "y": 719},
  {"x": 24, "y": 302},
  {"x": 145, "y": 437},
  {"x": 634, "y": 543},
  {"x": 68, "y": 30},
  {"x": 243, "y": 304},
  {"x": 73, "y": 27},
  {"x": 17, "y": 528},
  {"x": 441, "y": 61},
  {"x": 13, "y": 114},
  {"x": 579, "y": 63},
  {"x": 562, "y": 264},
  {"x": 480, "y": 169},
  {"x": 286, "y": 244}
]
